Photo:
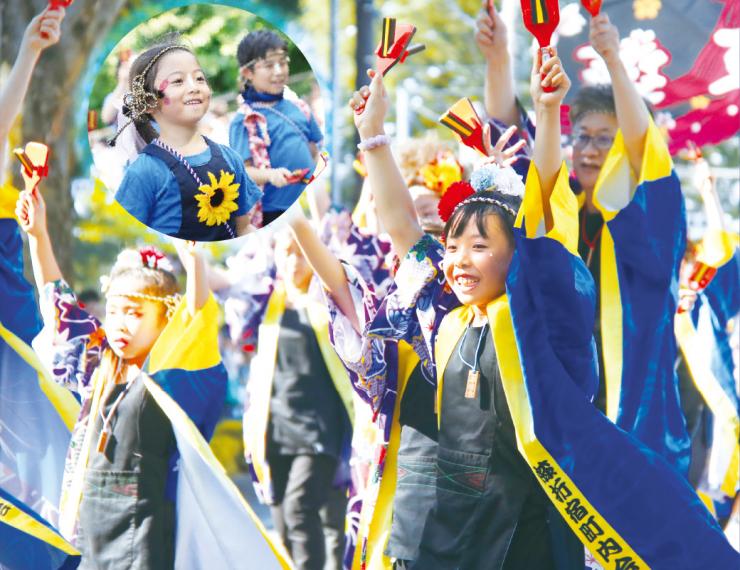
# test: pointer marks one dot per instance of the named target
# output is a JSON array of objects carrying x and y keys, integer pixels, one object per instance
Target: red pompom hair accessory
[
  {"x": 151, "y": 257},
  {"x": 456, "y": 193}
]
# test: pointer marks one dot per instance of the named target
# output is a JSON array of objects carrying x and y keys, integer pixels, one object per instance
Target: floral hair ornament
[
  {"x": 455, "y": 195},
  {"x": 488, "y": 178},
  {"x": 441, "y": 172},
  {"x": 151, "y": 258},
  {"x": 501, "y": 179},
  {"x": 138, "y": 101}
]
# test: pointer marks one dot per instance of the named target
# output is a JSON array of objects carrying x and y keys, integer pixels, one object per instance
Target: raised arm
[
  {"x": 704, "y": 182},
  {"x": 632, "y": 113},
  {"x": 31, "y": 213},
  {"x": 41, "y": 32},
  {"x": 324, "y": 263},
  {"x": 499, "y": 96},
  {"x": 196, "y": 287},
  {"x": 546, "y": 155},
  {"x": 393, "y": 202}
]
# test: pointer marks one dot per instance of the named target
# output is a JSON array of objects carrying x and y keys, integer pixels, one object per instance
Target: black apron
[
  {"x": 126, "y": 519},
  {"x": 190, "y": 227},
  {"x": 491, "y": 512},
  {"x": 416, "y": 468}
]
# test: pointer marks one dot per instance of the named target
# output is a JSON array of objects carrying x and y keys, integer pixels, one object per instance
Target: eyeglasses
[
  {"x": 601, "y": 142},
  {"x": 270, "y": 62}
]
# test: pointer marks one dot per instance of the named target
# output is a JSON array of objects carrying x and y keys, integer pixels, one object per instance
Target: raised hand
[
  {"x": 43, "y": 30},
  {"x": 604, "y": 37},
  {"x": 30, "y": 209},
  {"x": 496, "y": 153},
  {"x": 491, "y": 33},
  {"x": 550, "y": 74},
  {"x": 374, "y": 102}
]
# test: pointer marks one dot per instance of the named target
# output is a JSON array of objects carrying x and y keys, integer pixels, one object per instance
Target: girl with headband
[
  {"x": 118, "y": 503},
  {"x": 182, "y": 184},
  {"x": 503, "y": 315}
]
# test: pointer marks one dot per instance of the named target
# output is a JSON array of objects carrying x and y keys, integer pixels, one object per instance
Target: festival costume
[
  {"x": 634, "y": 259},
  {"x": 297, "y": 426},
  {"x": 541, "y": 331},
  {"x": 703, "y": 337},
  {"x": 133, "y": 494},
  {"x": 209, "y": 191},
  {"x": 401, "y": 488},
  {"x": 36, "y": 415},
  {"x": 275, "y": 136}
]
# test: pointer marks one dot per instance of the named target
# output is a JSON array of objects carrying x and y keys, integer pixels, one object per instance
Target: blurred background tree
[{"x": 85, "y": 228}]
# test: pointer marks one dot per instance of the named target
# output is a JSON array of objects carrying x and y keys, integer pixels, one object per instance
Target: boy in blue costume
[{"x": 274, "y": 136}]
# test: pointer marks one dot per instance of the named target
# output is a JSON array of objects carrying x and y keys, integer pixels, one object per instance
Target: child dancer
[
  {"x": 396, "y": 503},
  {"x": 274, "y": 136},
  {"x": 182, "y": 184},
  {"x": 515, "y": 373},
  {"x": 632, "y": 236},
  {"x": 120, "y": 477},
  {"x": 297, "y": 425},
  {"x": 710, "y": 301}
]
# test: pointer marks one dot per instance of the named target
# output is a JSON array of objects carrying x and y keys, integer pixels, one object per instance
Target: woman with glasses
[
  {"x": 632, "y": 236},
  {"x": 277, "y": 137}
]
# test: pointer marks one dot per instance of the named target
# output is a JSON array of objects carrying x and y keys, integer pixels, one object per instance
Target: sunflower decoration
[{"x": 218, "y": 199}]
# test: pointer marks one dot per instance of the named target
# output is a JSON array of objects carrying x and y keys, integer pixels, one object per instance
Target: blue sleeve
[
  {"x": 723, "y": 292},
  {"x": 239, "y": 138},
  {"x": 650, "y": 233},
  {"x": 137, "y": 191},
  {"x": 314, "y": 132},
  {"x": 249, "y": 192}
]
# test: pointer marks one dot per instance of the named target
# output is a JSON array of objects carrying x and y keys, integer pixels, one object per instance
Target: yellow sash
[
  {"x": 377, "y": 507},
  {"x": 613, "y": 191},
  {"x": 262, "y": 373},
  {"x": 717, "y": 248},
  {"x": 16, "y": 518}
]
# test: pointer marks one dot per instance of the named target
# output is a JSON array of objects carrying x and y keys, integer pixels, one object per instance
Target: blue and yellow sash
[
  {"x": 30, "y": 542},
  {"x": 377, "y": 506},
  {"x": 262, "y": 373},
  {"x": 641, "y": 247},
  {"x": 698, "y": 344},
  {"x": 627, "y": 506}
]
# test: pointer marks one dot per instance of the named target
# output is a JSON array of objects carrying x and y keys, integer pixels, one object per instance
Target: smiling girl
[
  {"x": 502, "y": 314},
  {"x": 182, "y": 184},
  {"x": 120, "y": 481}
]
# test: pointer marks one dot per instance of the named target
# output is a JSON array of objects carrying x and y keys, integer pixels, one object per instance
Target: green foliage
[{"x": 213, "y": 32}]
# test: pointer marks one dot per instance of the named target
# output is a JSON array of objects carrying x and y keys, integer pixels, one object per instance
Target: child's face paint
[
  {"x": 161, "y": 88},
  {"x": 132, "y": 325},
  {"x": 475, "y": 266},
  {"x": 269, "y": 74},
  {"x": 187, "y": 94}
]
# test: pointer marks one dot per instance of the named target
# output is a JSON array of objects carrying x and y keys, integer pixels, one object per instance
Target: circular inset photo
[{"x": 202, "y": 123}]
